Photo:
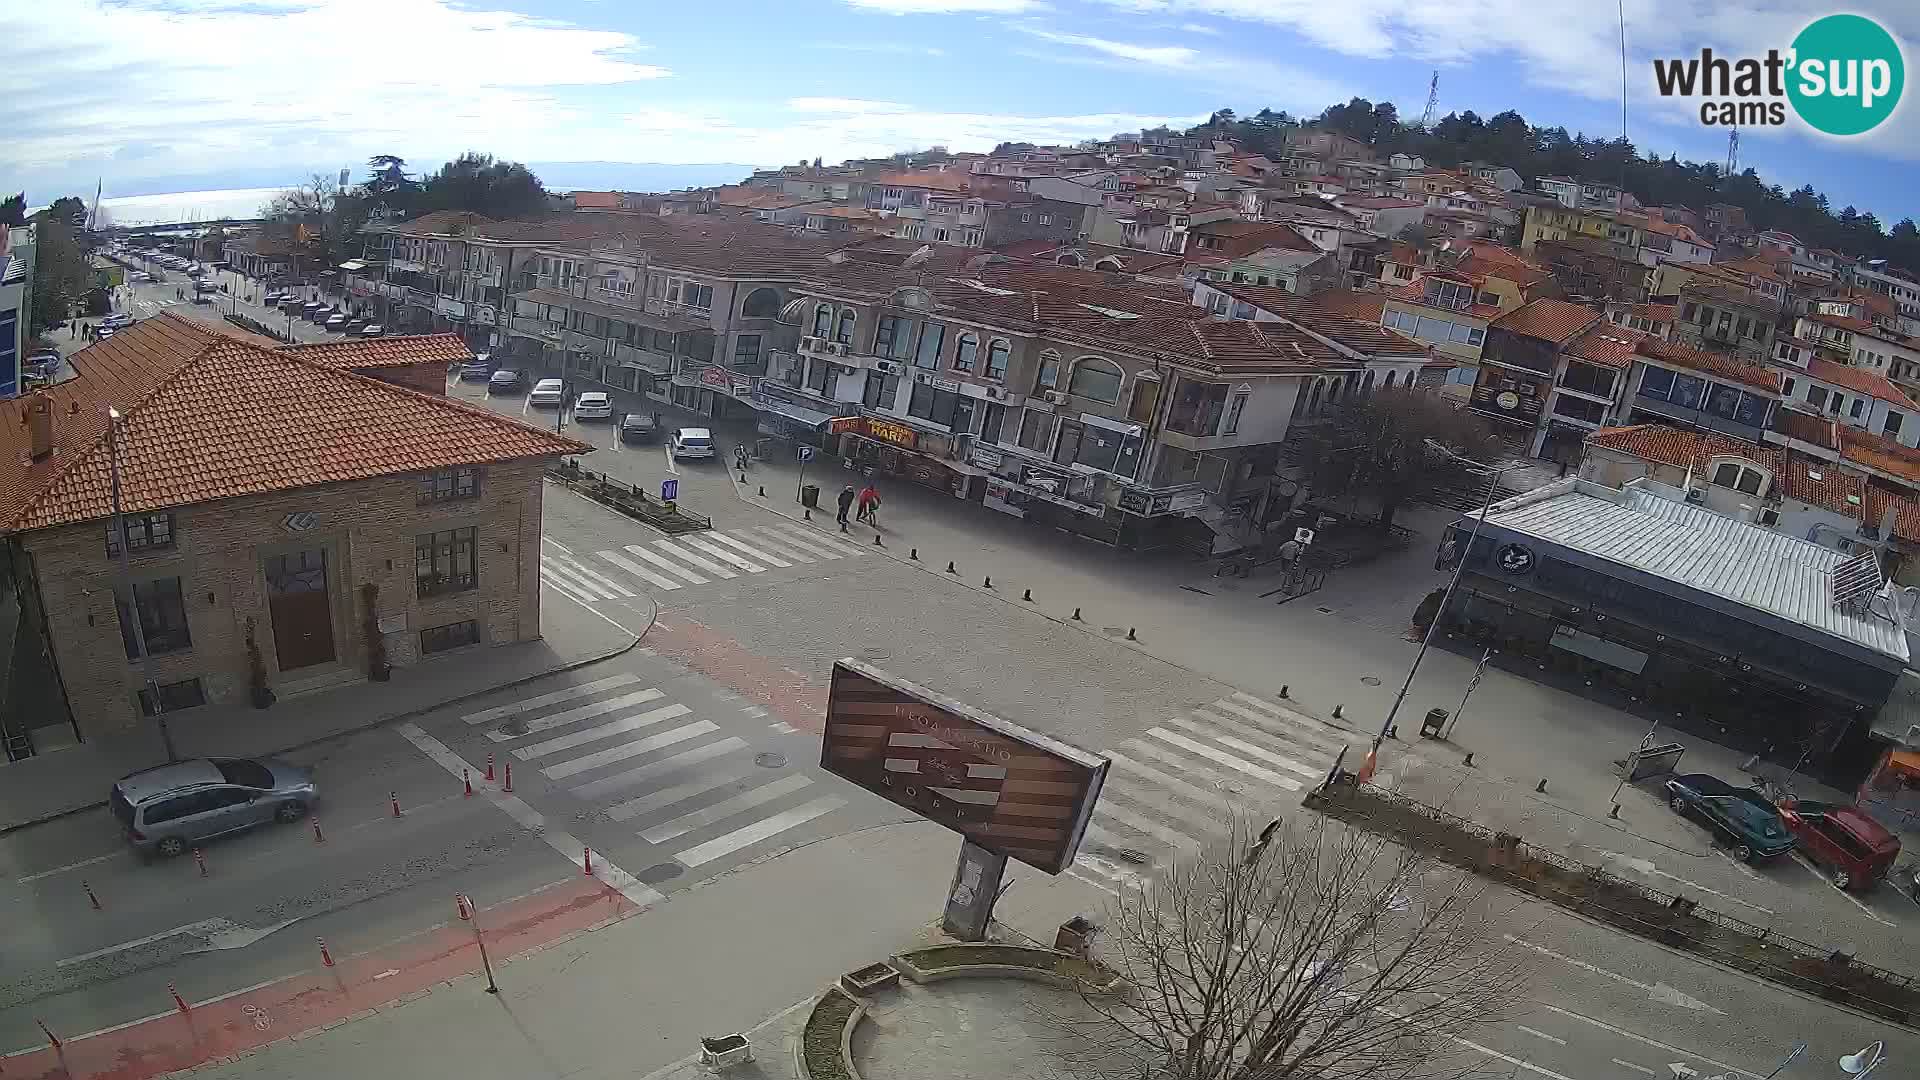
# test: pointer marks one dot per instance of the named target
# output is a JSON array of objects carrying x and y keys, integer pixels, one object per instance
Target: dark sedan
[
  {"x": 638, "y": 428},
  {"x": 1751, "y": 826}
]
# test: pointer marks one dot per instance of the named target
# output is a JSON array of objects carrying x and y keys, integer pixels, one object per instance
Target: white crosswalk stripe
[
  {"x": 1178, "y": 787},
  {"x": 718, "y": 552},
  {"x": 803, "y": 541},
  {"x": 725, "y": 808},
  {"x": 580, "y": 581},
  {"x": 602, "y": 731},
  {"x": 671, "y": 565},
  {"x": 664, "y": 767},
  {"x": 585, "y": 689},
  {"x": 819, "y": 539},
  {"x": 778, "y": 548},
  {"x": 667, "y": 565},
  {"x": 575, "y": 715},
  {"x": 568, "y": 591},
  {"x": 641, "y": 572},
  {"x": 764, "y": 829},
  {"x": 629, "y": 750},
  {"x": 700, "y": 561},
  {"x": 723, "y": 538}
]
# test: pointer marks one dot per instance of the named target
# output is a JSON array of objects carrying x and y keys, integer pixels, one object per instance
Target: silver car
[{"x": 168, "y": 809}]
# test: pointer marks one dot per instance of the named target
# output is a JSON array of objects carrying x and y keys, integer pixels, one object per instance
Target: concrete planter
[
  {"x": 720, "y": 1051},
  {"x": 1058, "y": 969},
  {"x": 870, "y": 979},
  {"x": 824, "y": 1050}
]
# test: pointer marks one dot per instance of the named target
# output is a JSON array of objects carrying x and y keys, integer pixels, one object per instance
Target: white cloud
[
  {"x": 1154, "y": 55},
  {"x": 1200, "y": 28},
  {"x": 844, "y": 105},
  {"x": 943, "y": 7}
]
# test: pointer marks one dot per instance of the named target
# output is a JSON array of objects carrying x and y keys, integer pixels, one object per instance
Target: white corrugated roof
[{"x": 1779, "y": 574}]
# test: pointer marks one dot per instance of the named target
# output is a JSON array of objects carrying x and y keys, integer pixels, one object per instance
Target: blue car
[{"x": 1751, "y": 826}]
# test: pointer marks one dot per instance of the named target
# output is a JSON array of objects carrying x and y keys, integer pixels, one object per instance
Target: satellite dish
[{"x": 919, "y": 256}]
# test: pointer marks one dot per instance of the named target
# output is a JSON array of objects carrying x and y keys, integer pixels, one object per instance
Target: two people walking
[{"x": 869, "y": 503}]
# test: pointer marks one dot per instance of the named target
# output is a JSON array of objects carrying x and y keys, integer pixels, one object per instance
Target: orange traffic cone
[{"x": 1368, "y": 765}]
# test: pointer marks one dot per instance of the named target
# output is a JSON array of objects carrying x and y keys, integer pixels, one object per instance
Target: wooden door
[{"x": 298, "y": 605}]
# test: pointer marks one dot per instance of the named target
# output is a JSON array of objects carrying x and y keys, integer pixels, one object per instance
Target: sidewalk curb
[{"x": 421, "y": 710}]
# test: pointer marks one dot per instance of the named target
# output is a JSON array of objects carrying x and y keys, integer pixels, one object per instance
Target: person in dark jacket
[{"x": 846, "y": 504}]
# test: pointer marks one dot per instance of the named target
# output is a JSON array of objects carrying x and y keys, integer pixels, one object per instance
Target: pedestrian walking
[
  {"x": 846, "y": 504},
  {"x": 869, "y": 504}
]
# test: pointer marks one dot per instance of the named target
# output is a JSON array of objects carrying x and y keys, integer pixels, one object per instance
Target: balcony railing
[
  {"x": 539, "y": 328},
  {"x": 657, "y": 362}
]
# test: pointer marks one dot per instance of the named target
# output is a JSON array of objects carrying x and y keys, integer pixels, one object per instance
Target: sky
[{"x": 172, "y": 95}]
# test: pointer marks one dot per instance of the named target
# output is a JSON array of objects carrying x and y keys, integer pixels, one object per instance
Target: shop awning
[
  {"x": 354, "y": 264},
  {"x": 813, "y": 420}
]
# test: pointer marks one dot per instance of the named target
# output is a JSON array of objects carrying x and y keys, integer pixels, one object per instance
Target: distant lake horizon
[{"x": 186, "y": 206}]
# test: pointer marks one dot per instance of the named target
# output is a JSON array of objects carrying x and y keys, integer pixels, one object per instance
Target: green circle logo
[{"x": 1847, "y": 74}]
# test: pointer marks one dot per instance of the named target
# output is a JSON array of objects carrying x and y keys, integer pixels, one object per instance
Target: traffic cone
[{"x": 1369, "y": 764}]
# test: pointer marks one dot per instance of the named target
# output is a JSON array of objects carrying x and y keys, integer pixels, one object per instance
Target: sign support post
[{"x": 976, "y": 885}]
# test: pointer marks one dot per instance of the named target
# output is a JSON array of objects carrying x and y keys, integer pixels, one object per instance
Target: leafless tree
[{"x": 1301, "y": 950}]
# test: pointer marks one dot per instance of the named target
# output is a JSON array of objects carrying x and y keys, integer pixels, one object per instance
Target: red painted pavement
[
  {"x": 790, "y": 695},
  {"x": 322, "y": 997}
]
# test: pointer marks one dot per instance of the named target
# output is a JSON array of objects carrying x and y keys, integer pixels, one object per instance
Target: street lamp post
[
  {"x": 1486, "y": 503},
  {"x": 114, "y": 439}
]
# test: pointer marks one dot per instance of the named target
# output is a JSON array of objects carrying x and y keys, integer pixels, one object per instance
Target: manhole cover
[
  {"x": 659, "y": 872},
  {"x": 769, "y": 760},
  {"x": 876, "y": 654},
  {"x": 1324, "y": 609},
  {"x": 1370, "y": 680},
  {"x": 516, "y": 726}
]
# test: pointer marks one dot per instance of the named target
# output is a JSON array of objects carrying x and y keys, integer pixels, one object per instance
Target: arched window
[
  {"x": 844, "y": 333},
  {"x": 761, "y": 304},
  {"x": 1049, "y": 374},
  {"x": 1388, "y": 385},
  {"x": 965, "y": 351},
  {"x": 1740, "y": 474},
  {"x": 997, "y": 359},
  {"x": 1367, "y": 387},
  {"x": 1313, "y": 397},
  {"x": 1109, "y": 263},
  {"x": 822, "y": 321},
  {"x": 1096, "y": 378},
  {"x": 1067, "y": 258}
]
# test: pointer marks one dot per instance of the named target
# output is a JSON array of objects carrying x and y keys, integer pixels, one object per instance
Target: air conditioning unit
[
  {"x": 1056, "y": 397},
  {"x": 1696, "y": 495},
  {"x": 835, "y": 348},
  {"x": 811, "y": 344},
  {"x": 890, "y": 367}
]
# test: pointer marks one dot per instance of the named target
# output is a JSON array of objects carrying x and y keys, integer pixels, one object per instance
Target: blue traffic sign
[
  {"x": 806, "y": 453},
  {"x": 669, "y": 489}
]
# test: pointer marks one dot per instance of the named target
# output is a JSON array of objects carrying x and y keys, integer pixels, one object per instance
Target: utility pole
[
  {"x": 114, "y": 439},
  {"x": 1433, "y": 100}
]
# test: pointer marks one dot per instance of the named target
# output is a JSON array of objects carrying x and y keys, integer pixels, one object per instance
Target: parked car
[
  {"x": 638, "y": 428},
  {"x": 169, "y": 808},
  {"x": 354, "y": 325},
  {"x": 547, "y": 392},
  {"x": 1743, "y": 817},
  {"x": 692, "y": 442},
  {"x": 338, "y": 322},
  {"x": 307, "y": 309},
  {"x": 373, "y": 330},
  {"x": 1855, "y": 848},
  {"x": 322, "y": 313},
  {"x": 103, "y": 333},
  {"x": 593, "y": 405},
  {"x": 506, "y": 381},
  {"x": 476, "y": 371},
  {"x": 117, "y": 320},
  {"x": 272, "y": 299}
]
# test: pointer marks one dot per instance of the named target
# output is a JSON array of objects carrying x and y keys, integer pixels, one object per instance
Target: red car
[{"x": 1858, "y": 850}]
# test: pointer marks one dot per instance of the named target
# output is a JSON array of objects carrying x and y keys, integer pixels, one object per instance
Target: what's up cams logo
[{"x": 1842, "y": 75}]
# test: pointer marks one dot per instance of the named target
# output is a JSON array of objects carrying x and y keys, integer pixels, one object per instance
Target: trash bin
[
  {"x": 1075, "y": 936},
  {"x": 810, "y": 496},
  {"x": 1435, "y": 722}
]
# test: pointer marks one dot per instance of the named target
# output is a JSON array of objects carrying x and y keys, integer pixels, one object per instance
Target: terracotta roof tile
[
  {"x": 1876, "y": 452},
  {"x": 1859, "y": 380},
  {"x": 384, "y": 352},
  {"x": 1359, "y": 335},
  {"x": 1906, "y": 517},
  {"x": 209, "y": 417},
  {"x": 1679, "y": 447},
  {"x": 1711, "y": 363},
  {"x": 1807, "y": 428},
  {"x": 1607, "y": 345},
  {"x": 1819, "y": 483},
  {"x": 1548, "y": 320},
  {"x": 596, "y": 200},
  {"x": 1353, "y": 303}
]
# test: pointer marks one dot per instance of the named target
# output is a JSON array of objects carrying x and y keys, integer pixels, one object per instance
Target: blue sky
[{"x": 158, "y": 94}]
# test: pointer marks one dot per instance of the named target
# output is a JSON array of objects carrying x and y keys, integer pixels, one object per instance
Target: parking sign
[
  {"x": 669, "y": 489},
  {"x": 806, "y": 453}
]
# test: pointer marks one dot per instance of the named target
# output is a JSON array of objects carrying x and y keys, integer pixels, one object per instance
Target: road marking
[
  {"x": 672, "y": 466},
  {"x": 633, "y": 749},
  {"x": 763, "y": 829},
  {"x": 1255, "y": 750},
  {"x": 1514, "y": 1061},
  {"x": 1631, "y": 1065},
  {"x": 1645, "y": 867},
  {"x": 703, "y": 563},
  {"x": 1655, "y": 1043},
  {"x": 670, "y": 567},
  {"x": 723, "y": 538},
  {"x": 1538, "y": 1034},
  {"x": 515, "y": 807},
  {"x": 585, "y": 689},
  {"x": 723, "y": 554},
  {"x": 1658, "y": 992},
  {"x": 726, "y": 808},
  {"x": 1171, "y": 783},
  {"x": 1849, "y": 897},
  {"x": 607, "y": 583},
  {"x": 552, "y": 581},
  {"x": 638, "y": 571},
  {"x": 1228, "y": 786},
  {"x": 655, "y": 800},
  {"x": 799, "y": 539},
  {"x": 564, "y": 549},
  {"x": 778, "y": 549},
  {"x": 815, "y": 538},
  {"x": 580, "y": 582},
  {"x": 1224, "y": 758},
  {"x": 1173, "y": 838},
  {"x": 589, "y": 608},
  {"x": 663, "y": 767},
  {"x": 602, "y": 731},
  {"x": 584, "y": 712},
  {"x": 70, "y": 866}
]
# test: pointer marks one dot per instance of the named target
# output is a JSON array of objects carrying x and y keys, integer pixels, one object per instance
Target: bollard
[
  {"x": 1468, "y": 763},
  {"x": 508, "y": 786},
  {"x": 1131, "y": 636},
  {"x": 806, "y": 513},
  {"x": 1336, "y": 711},
  {"x": 466, "y": 781},
  {"x": 1076, "y": 615},
  {"x": 876, "y": 540},
  {"x": 1615, "y": 812},
  {"x": 318, "y": 836},
  {"x": 950, "y": 568},
  {"x": 1283, "y": 691},
  {"x": 763, "y": 491},
  {"x": 489, "y": 766},
  {"x": 989, "y": 581},
  {"x": 91, "y": 899},
  {"x": 202, "y": 860},
  {"x": 914, "y": 554},
  {"x": 393, "y": 797},
  {"x": 1026, "y": 594},
  {"x": 1541, "y": 787},
  {"x": 586, "y": 862},
  {"x": 178, "y": 1001},
  {"x": 326, "y": 958},
  {"x": 1393, "y": 732}
]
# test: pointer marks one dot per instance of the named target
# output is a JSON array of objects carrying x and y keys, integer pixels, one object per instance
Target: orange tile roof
[
  {"x": 1843, "y": 322},
  {"x": 1906, "y": 517},
  {"x": 1877, "y": 452},
  {"x": 1807, "y": 428},
  {"x": 1548, "y": 320},
  {"x": 1859, "y": 380},
  {"x": 1416, "y": 294},
  {"x": 596, "y": 200},
  {"x": 1818, "y": 483},
  {"x": 1354, "y": 304},
  {"x": 1711, "y": 363},
  {"x": 1360, "y": 335},
  {"x": 384, "y": 352},
  {"x": 1679, "y": 447},
  {"x": 1607, "y": 345},
  {"x": 211, "y": 417}
]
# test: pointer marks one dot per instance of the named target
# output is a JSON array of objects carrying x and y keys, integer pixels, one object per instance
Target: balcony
[
  {"x": 1507, "y": 405},
  {"x": 489, "y": 278},
  {"x": 829, "y": 349},
  {"x": 657, "y": 362},
  {"x": 579, "y": 342},
  {"x": 1697, "y": 418},
  {"x": 537, "y": 328}
]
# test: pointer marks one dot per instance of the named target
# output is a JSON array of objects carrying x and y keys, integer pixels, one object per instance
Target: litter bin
[
  {"x": 1075, "y": 936},
  {"x": 1435, "y": 722},
  {"x": 810, "y": 496}
]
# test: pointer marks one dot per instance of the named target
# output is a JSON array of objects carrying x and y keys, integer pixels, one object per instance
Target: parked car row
[
  {"x": 1856, "y": 850},
  {"x": 327, "y": 316},
  {"x": 632, "y": 428}
]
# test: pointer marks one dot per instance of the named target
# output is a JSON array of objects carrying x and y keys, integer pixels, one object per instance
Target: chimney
[{"x": 39, "y": 421}]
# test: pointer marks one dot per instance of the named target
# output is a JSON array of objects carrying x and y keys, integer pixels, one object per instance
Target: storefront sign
[
  {"x": 715, "y": 377},
  {"x": 300, "y": 521},
  {"x": 1507, "y": 400},
  {"x": 1514, "y": 559},
  {"x": 1136, "y": 502},
  {"x": 987, "y": 457},
  {"x": 945, "y": 384},
  {"x": 1182, "y": 502},
  {"x": 875, "y": 428}
]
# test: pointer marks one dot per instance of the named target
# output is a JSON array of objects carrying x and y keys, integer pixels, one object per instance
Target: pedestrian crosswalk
[
  {"x": 679, "y": 781},
  {"x": 1177, "y": 788},
  {"x": 669, "y": 565}
]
